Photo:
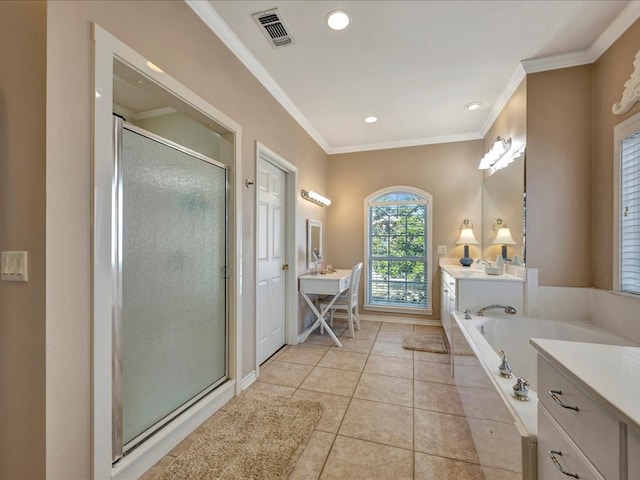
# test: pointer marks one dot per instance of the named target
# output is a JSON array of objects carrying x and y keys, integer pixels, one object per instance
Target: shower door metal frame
[{"x": 118, "y": 449}]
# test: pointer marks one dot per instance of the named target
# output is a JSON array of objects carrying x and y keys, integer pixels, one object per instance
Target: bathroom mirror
[
  {"x": 503, "y": 197},
  {"x": 314, "y": 240}
]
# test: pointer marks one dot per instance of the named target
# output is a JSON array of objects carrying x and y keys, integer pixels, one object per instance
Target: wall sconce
[
  {"x": 503, "y": 237},
  {"x": 466, "y": 238},
  {"x": 315, "y": 198}
]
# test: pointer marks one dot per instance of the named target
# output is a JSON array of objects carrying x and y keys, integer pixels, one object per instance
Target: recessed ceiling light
[
  {"x": 371, "y": 119},
  {"x": 338, "y": 19},
  {"x": 473, "y": 105},
  {"x": 154, "y": 67}
]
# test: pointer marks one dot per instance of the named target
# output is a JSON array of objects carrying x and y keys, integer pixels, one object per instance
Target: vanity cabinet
[
  {"x": 588, "y": 412},
  {"x": 462, "y": 289}
]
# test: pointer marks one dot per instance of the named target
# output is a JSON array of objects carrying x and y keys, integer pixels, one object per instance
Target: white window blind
[{"x": 630, "y": 214}]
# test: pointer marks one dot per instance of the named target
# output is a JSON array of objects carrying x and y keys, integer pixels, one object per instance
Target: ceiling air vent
[{"x": 271, "y": 25}]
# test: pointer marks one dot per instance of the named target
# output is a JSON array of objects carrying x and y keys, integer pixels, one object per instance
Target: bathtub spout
[{"x": 507, "y": 309}]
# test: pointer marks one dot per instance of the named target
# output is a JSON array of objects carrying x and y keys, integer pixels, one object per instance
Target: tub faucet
[{"x": 507, "y": 309}]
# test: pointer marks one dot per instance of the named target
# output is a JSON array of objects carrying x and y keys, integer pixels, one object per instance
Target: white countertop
[
  {"x": 609, "y": 373},
  {"x": 476, "y": 272}
]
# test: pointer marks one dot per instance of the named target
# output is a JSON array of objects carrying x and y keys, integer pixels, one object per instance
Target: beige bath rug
[
  {"x": 424, "y": 342},
  {"x": 259, "y": 435}
]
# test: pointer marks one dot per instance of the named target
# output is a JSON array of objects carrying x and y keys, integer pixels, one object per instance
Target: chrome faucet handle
[
  {"x": 521, "y": 389},
  {"x": 467, "y": 314},
  {"x": 505, "y": 367}
]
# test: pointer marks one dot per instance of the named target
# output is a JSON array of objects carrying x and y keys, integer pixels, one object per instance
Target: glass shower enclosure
[{"x": 170, "y": 325}]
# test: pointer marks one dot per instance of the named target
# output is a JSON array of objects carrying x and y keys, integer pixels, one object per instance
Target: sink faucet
[
  {"x": 507, "y": 309},
  {"x": 483, "y": 261}
]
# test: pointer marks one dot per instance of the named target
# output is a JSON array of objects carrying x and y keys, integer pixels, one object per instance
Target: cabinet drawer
[
  {"x": 551, "y": 439},
  {"x": 594, "y": 431}
]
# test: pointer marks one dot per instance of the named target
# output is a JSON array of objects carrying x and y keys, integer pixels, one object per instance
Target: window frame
[
  {"x": 624, "y": 129},
  {"x": 428, "y": 310}
]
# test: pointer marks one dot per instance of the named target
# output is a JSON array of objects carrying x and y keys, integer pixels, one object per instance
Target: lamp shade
[
  {"x": 467, "y": 237},
  {"x": 503, "y": 237}
]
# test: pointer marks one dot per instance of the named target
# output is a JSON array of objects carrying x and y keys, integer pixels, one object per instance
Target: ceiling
[{"x": 413, "y": 64}]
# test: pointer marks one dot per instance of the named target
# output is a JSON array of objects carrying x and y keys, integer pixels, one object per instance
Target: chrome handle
[
  {"x": 552, "y": 455},
  {"x": 554, "y": 394}
]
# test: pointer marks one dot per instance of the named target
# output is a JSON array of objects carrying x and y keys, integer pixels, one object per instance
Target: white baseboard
[{"x": 248, "y": 380}]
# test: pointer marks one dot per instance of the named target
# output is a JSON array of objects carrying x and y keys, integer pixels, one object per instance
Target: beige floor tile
[
  {"x": 379, "y": 388},
  {"x": 484, "y": 404},
  {"x": 437, "y": 397},
  {"x": 361, "y": 334},
  {"x": 370, "y": 324},
  {"x": 392, "y": 336},
  {"x": 335, "y": 407},
  {"x": 320, "y": 340},
  {"x": 284, "y": 373},
  {"x": 311, "y": 461},
  {"x": 497, "y": 443},
  {"x": 351, "y": 458},
  {"x": 344, "y": 360},
  {"x": 389, "y": 349},
  {"x": 428, "y": 329},
  {"x": 305, "y": 355},
  {"x": 429, "y": 467},
  {"x": 379, "y": 422},
  {"x": 355, "y": 344},
  {"x": 432, "y": 372},
  {"x": 466, "y": 360},
  {"x": 390, "y": 366},
  {"x": 273, "y": 388},
  {"x": 396, "y": 327},
  {"x": 330, "y": 380},
  {"x": 443, "y": 435},
  {"x": 432, "y": 357}
]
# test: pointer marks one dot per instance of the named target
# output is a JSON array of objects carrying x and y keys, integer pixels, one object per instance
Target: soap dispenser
[{"x": 500, "y": 263}]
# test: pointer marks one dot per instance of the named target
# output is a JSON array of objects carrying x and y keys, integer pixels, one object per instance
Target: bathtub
[{"x": 487, "y": 335}]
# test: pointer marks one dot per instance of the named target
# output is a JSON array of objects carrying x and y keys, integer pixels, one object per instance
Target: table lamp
[
  {"x": 466, "y": 238},
  {"x": 503, "y": 238}
]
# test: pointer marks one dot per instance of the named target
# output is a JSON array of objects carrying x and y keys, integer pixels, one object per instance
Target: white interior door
[{"x": 270, "y": 316}]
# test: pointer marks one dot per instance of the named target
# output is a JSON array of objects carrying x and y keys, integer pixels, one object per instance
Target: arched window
[{"x": 398, "y": 246}]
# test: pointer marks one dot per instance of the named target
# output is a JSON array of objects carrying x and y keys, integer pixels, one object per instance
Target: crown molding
[
  {"x": 616, "y": 28},
  {"x": 512, "y": 85},
  {"x": 217, "y": 25},
  {"x": 413, "y": 142}
]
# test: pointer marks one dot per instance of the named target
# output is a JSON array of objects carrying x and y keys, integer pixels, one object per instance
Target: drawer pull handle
[
  {"x": 554, "y": 394},
  {"x": 552, "y": 454}
]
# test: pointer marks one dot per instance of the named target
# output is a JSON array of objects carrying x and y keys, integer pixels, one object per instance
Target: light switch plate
[
  {"x": 441, "y": 249},
  {"x": 14, "y": 266}
]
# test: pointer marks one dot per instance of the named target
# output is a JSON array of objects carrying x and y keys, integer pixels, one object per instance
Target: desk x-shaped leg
[{"x": 320, "y": 316}]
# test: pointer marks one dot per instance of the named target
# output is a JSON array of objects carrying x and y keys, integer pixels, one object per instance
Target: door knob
[{"x": 285, "y": 267}]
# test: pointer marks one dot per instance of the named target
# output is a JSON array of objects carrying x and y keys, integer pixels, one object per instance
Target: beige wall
[
  {"x": 172, "y": 36},
  {"x": 22, "y": 227},
  {"x": 558, "y": 175},
  {"x": 448, "y": 171},
  {"x": 610, "y": 72}
]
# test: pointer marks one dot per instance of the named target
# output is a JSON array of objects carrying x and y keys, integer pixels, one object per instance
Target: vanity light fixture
[
  {"x": 338, "y": 19},
  {"x": 499, "y": 148},
  {"x": 315, "y": 198},
  {"x": 503, "y": 237},
  {"x": 466, "y": 238}
]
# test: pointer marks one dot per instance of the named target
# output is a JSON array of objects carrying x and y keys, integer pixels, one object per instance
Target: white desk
[{"x": 329, "y": 284}]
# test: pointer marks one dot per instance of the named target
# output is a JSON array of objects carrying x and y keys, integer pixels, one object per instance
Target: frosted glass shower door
[{"x": 172, "y": 330}]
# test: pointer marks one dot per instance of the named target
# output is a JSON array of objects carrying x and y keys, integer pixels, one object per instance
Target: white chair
[{"x": 348, "y": 301}]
